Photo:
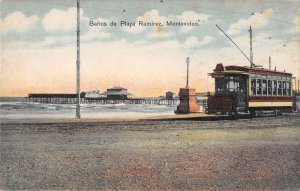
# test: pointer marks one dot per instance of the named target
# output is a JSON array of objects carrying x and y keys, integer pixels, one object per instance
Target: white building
[{"x": 93, "y": 94}]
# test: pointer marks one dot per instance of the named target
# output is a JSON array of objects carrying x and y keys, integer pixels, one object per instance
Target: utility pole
[
  {"x": 251, "y": 52},
  {"x": 269, "y": 62},
  {"x": 187, "y": 72},
  {"x": 77, "y": 116}
]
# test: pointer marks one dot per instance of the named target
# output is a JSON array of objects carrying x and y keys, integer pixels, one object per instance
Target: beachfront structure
[
  {"x": 170, "y": 95},
  {"x": 117, "y": 93},
  {"x": 53, "y": 98},
  {"x": 92, "y": 94}
]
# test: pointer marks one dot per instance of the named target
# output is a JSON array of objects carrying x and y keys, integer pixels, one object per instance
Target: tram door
[{"x": 237, "y": 85}]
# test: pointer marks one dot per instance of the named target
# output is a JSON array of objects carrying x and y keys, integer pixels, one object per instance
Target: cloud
[
  {"x": 134, "y": 30},
  {"x": 92, "y": 35},
  {"x": 153, "y": 15},
  {"x": 258, "y": 20},
  {"x": 195, "y": 42},
  {"x": 155, "y": 31},
  {"x": 149, "y": 16},
  {"x": 159, "y": 34},
  {"x": 296, "y": 21},
  {"x": 53, "y": 40},
  {"x": 141, "y": 42},
  {"x": 58, "y": 20},
  {"x": 193, "y": 17},
  {"x": 17, "y": 22}
]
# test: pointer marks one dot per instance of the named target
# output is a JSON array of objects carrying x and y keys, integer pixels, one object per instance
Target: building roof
[
  {"x": 115, "y": 88},
  {"x": 169, "y": 92},
  {"x": 116, "y": 93}
]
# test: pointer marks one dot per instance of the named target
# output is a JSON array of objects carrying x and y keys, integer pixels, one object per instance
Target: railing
[{"x": 62, "y": 100}]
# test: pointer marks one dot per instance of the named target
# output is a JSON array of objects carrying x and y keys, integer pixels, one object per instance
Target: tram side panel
[
  {"x": 222, "y": 104},
  {"x": 270, "y": 103}
]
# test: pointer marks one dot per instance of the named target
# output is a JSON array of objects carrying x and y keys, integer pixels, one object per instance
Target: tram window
[
  {"x": 288, "y": 88},
  {"x": 242, "y": 87},
  {"x": 258, "y": 87},
  {"x": 284, "y": 88},
  {"x": 253, "y": 86},
  {"x": 279, "y": 88},
  {"x": 231, "y": 86},
  {"x": 270, "y": 87},
  {"x": 220, "y": 84},
  {"x": 274, "y": 87},
  {"x": 264, "y": 87},
  {"x": 232, "y": 83}
]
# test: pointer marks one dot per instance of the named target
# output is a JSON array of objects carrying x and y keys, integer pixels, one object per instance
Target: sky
[{"x": 38, "y": 43}]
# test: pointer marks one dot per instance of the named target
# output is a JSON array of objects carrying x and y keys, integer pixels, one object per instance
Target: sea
[{"x": 18, "y": 108}]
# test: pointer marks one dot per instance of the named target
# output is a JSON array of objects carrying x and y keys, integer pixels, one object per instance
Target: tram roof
[{"x": 233, "y": 69}]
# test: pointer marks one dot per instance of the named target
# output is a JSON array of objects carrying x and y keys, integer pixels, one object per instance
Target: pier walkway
[{"x": 71, "y": 99}]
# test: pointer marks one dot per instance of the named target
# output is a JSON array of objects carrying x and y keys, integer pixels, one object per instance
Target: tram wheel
[
  {"x": 260, "y": 113},
  {"x": 279, "y": 113},
  {"x": 252, "y": 113}
]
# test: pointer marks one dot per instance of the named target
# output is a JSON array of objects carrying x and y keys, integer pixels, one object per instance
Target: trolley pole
[
  {"x": 251, "y": 52},
  {"x": 187, "y": 72},
  {"x": 77, "y": 116}
]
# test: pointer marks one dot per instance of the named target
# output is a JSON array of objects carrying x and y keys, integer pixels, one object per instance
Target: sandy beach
[{"x": 245, "y": 154}]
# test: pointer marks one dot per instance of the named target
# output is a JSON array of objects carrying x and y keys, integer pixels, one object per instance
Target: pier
[{"x": 72, "y": 98}]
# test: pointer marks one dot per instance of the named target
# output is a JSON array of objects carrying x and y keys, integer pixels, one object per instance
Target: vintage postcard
[{"x": 150, "y": 95}]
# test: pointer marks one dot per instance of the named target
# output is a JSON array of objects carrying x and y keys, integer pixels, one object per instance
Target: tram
[{"x": 250, "y": 89}]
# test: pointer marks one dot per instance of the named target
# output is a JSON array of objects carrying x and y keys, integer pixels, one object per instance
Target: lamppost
[
  {"x": 187, "y": 72},
  {"x": 77, "y": 116}
]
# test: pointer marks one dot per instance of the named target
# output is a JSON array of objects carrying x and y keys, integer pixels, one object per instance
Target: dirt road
[{"x": 258, "y": 154}]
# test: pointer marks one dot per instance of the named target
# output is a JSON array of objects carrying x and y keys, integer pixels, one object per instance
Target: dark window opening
[
  {"x": 258, "y": 87},
  {"x": 279, "y": 88},
  {"x": 219, "y": 84},
  {"x": 288, "y": 88},
  {"x": 269, "y": 87},
  {"x": 274, "y": 87},
  {"x": 264, "y": 87},
  {"x": 253, "y": 86},
  {"x": 284, "y": 88}
]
